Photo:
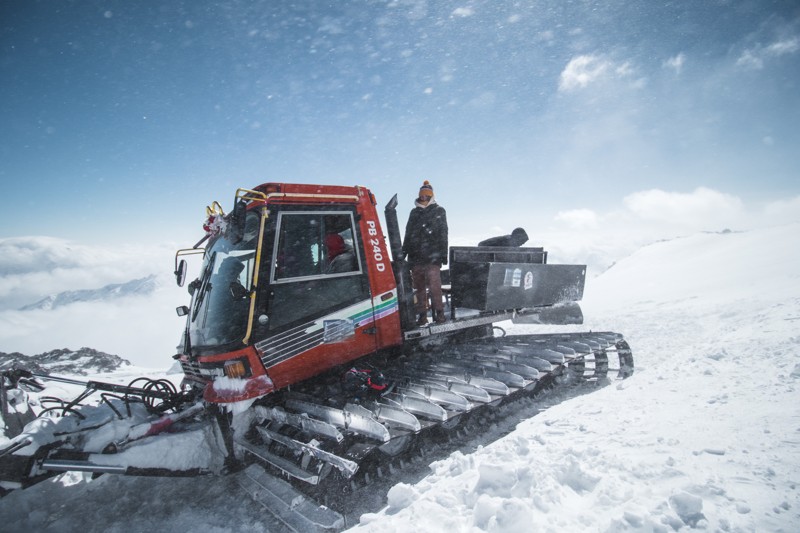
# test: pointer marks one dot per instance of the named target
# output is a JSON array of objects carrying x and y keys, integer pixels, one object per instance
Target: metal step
[
  {"x": 472, "y": 393},
  {"x": 299, "y": 421},
  {"x": 548, "y": 354},
  {"x": 417, "y": 406},
  {"x": 357, "y": 422},
  {"x": 395, "y": 416},
  {"x": 284, "y": 465},
  {"x": 345, "y": 466},
  {"x": 293, "y": 511},
  {"x": 485, "y": 369},
  {"x": 437, "y": 394}
]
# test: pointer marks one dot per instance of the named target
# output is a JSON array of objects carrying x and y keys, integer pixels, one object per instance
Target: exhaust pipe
[{"x": 402, "y": 272}]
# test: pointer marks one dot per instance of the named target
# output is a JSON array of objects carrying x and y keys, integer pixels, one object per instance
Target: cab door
[{"x": 318, "y": 297}]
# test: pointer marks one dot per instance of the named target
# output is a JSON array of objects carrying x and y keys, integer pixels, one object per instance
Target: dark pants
[{"x": 427, "y": 278}]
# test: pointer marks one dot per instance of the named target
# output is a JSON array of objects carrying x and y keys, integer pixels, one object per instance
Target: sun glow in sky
[{"x": 122, "y": 120}]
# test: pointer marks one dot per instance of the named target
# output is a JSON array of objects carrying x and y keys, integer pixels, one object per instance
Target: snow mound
[{"x": 705, "y": 268}]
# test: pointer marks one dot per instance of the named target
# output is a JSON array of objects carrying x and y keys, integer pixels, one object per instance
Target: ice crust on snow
[{"x": 705, "y": 435}]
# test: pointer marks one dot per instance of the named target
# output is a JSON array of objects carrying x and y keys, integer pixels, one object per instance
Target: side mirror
[
  {"x": 182, "y": 310},
  {"x": 180, "y": 273}
]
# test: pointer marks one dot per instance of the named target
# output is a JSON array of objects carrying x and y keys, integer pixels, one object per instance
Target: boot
[
  {"x": 422, "y": 319},
  {"x": 439, "y": 317}
]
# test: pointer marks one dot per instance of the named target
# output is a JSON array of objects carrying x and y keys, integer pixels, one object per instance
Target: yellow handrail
[
  {"x": 257, "y": 268},
  {"x": 214, "y": 209},
  {"x": 250, "y": 196}
]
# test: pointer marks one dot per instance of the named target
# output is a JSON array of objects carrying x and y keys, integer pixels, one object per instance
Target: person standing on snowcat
[
  {"x": 517, "y": 238},
  {"x": 425, "y": 244}
]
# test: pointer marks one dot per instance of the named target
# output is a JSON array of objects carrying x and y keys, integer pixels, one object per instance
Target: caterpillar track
[{"x": 330, "y": 445}]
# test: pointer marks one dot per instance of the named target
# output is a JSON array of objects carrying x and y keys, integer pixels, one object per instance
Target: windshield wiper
[{"x": 205, "y": 285}]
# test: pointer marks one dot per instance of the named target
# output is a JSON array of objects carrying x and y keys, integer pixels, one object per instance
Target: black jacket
[{"x": 426, "y": 235}]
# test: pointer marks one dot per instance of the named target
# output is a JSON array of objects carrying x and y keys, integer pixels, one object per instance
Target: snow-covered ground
[{"x": 705, "y": 435}]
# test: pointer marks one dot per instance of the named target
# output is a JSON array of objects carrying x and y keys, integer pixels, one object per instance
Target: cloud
[
  {"x": 652, "y": 214},
  {"x": 581, "y": 71},
  {"x": 750, "y": 59},
  {"x": 578, "y": 218},
  {"x": 783, "y": 211},
  {"x": 142, "y": 329},
  {"x": 655, "y": 213},
  {"x": 584, "y": 70},
  {"x": 755, "y": 57},
  {"x": 463, "y": 12},
  {"x": 485, "y": 100},
  {"x": 331, "y": 26},
  {"x": 546, "y": 36},
  {"x": 624, "y": 69},
  {"x": 701, "y": 206},
  {"x": 24, "y": 255},
  {"x": 34, "y": 267},
  {"x": 675, "y": 63},
  {"x": 598, "y": 237},
  {"x": 786, "y": 46}
]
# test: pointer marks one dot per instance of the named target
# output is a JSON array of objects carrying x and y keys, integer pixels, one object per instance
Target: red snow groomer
[{"x": 298, "y": 370}]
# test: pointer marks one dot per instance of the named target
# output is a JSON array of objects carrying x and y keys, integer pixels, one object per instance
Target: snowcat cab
[{"x": 269, "y": 309}]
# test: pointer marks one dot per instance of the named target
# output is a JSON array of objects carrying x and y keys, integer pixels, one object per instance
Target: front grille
[{"x": 191, "y": 369}]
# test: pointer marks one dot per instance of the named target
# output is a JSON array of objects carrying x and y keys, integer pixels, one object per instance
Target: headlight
[{"x": 235, "y": 369}]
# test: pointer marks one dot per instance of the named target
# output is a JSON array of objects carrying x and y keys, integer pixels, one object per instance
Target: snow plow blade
[{"x": 289, "y": 507}]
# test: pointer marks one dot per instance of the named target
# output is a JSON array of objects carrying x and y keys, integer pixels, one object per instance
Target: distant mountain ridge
[
  {"x": 64, "y": 361},
  {"x": 114, "y": 291}
]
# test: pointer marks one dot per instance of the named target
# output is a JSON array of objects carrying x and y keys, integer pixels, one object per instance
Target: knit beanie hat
[{"x": 426, "y": 189}]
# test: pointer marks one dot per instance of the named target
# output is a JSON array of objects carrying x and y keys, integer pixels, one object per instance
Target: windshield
[{"x": 221, "y": 303}]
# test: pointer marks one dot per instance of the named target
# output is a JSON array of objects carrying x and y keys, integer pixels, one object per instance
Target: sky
[
  {"x": 702, "y": 437},
  {"x": 624, "y": 120}
]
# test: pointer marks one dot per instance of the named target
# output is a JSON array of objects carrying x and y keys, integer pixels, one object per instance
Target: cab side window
[{"x": 314, "y": 244}]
